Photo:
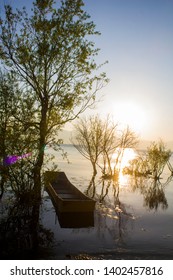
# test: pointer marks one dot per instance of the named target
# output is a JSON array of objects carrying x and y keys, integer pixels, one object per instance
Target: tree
[
  {"x": 152, "y": 162},
  {"x": 15, "y": 143},
  {"x": 54, "y": 59},
  {"x": 157, "y": 157},
  {"x": 88, "y": 139},
  {"x": 6, "y": 106},
  {"x": 127, "y": 139},
  {"x": 109, "y": 144},
  {"x": 98, "y": 140}
]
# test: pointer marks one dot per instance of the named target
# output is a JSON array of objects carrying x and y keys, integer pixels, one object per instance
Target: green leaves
[{"x": 51, "y": 52}]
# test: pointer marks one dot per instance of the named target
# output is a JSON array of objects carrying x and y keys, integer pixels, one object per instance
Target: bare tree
[
  {"x": 127, "y": 139},
  {"x": 88, "y": 139},
  {"x": 98, "y": 140},
  {"x": 109, "y": 144}
]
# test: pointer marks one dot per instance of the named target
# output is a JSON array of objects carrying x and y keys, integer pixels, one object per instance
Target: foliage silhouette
[{"x": 52, "y": 54}]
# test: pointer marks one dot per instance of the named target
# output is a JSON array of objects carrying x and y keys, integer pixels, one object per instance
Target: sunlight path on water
[{"x": 126, "y": 156}]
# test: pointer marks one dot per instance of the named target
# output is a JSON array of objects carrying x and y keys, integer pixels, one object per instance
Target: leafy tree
[
  {"x": 157, "y": 157},
  {"x": 6, "y": 102},
  {"x": 15, "y": 143},
  {"x": 51, "y": 52},
  {"x": 151, "y": 162}
]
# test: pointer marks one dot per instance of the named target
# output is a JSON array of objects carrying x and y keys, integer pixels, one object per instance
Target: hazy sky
[{"x": 137, "y": 40}]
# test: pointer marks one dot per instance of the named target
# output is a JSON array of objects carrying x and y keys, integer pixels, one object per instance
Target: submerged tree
[
  {"x": 88, "y": 139},
  {"x": 109, "y": 144},
  {"x": 127, "y": 139},
  {"x": 54, "y": 59},
  {"x": 98, "y": 140},
  {"x": 152, "y": 162},
  {"x": 157, "y": 157}
]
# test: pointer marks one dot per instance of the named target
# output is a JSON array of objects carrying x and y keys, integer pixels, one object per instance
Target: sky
[{"x": 137, "y": 40}]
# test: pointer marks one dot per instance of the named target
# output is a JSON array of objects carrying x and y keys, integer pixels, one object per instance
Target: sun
[{"x": 132, "y": 115}]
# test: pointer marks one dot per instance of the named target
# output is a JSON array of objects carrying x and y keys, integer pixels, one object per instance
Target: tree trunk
[
  {"x": 35, "y": 226},
  {"x": 40, "y": 158},
  {"x": 37, "y": 182},
  {"x": 37, "y": 170},
  {"x": 4, "y": 173},
  {"x": 109, "y": 165},
  {"x": 2, "y": 188},
  {"x": 94, "y": 169}
]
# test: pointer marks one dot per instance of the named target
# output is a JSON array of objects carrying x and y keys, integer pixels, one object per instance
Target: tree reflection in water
[
  {"x": 112, "y": 214},
  {"x": 153, "y": 191},
  {"x": 90, "y": 191},
  {"x": 21, "y": 234}
]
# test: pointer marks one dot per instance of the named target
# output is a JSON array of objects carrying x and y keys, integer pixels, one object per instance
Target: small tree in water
[
  {"x": 98, "y": 140},
  {"x": 88, "y": 139},
  {"x": 157, "y": 157},
  {"x": 127, "y": 139},
  {"x": 152, "y": 162}
]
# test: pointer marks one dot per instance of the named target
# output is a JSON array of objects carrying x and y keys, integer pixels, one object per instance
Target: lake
[{"x": 132, "y": 219}]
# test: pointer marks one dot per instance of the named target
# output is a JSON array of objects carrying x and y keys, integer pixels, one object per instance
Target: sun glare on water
[{"x": 128, "y": 155}]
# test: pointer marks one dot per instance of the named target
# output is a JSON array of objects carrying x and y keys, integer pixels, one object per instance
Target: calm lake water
[{"x": 132, "y": 218}]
